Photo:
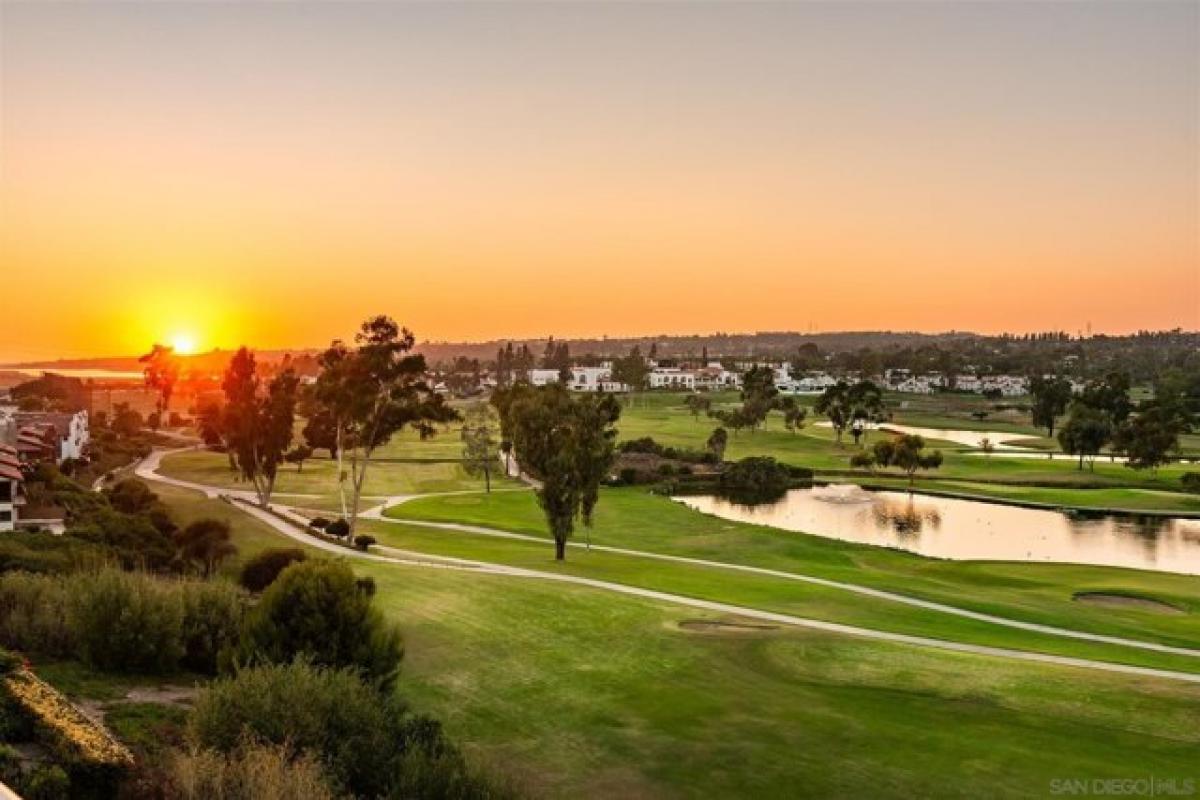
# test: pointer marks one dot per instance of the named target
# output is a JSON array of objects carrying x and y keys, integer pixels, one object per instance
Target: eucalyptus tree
[
  {"x": 480, "y": 451},
  {"x": 567, "y": 444},
  {"x": 372, "y": 390},
  {"x": 1085, "y": 432},
  {"x": 257, "y": 421},
  {"x": 1050, "y": 395},
  {"x": 161, "y": 373}
]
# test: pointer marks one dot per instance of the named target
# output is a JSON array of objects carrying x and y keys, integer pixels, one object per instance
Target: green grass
[
  {"x": 633, "y": 518},
  {"x": 316, "y": 485},
  {"x": 579, "y": 693},
  {"x": 1058, "y": 497},
  {"x": 250, "y": 535}
]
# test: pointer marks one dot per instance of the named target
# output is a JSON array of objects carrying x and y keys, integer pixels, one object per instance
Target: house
[
  {"x": 810, "y": 383},
  {"x": 50, "y": 435},
  {"x": 672, "y": 378},
  {"x": 11, "y": 483},
  {"x": 541, "y": 377}
]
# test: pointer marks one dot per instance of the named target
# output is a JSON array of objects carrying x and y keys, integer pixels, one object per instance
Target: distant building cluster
[{"x": 28, "y": 438}]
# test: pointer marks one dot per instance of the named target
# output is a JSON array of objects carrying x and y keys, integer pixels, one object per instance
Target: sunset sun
[{"x": 184, "y": 344}]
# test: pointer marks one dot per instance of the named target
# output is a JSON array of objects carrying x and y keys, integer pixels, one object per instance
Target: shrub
[
  {"x": 126, "y": 621},
  {"x": 1190, "y": 481},
  {"x": 363, "y": 541},
  {"x": 75, "y": 738},
  {"x": 251, "y": 772},
  {"x": 33, "y": 614},
  {"x": 339, "y": 528},
  {"x": 23, "y": 551},
  {"x": 351, "y": 728},
  {"x": 45, "y": 782},
  {"x": 629, "y": 476},
  {"x": 315, "y": 609},
  {"x": 130, "y": 538},
  {"x": 212, "y": 622},
  {"x": 755, "y": 479},
  {"x": 320, "y": 523},
  {"x": 261, "y": 571}
]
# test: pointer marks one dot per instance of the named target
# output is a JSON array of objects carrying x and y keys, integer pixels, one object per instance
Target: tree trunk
[
  {"x": 487, "y": 479},
  {"x": 560, "y": 548},
  {"x": 341, "y": 471}
]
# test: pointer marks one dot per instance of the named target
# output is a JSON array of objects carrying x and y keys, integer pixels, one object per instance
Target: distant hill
[{"x": 213, "y": 361}]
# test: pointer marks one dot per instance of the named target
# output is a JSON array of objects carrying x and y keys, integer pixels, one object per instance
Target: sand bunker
[{"x": 1126, "y": 601}]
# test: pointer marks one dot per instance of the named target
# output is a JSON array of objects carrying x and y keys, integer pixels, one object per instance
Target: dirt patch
[
  {"x": 163, "y": 695},
  {"x": 724, "y": 626},
  {"x": 1126, "y": 601}
]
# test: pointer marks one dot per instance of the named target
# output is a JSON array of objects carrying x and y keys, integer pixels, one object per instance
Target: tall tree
[
  {"x": 258, "y": 424},
  {"x": 718, "y": 440},
  {"x": 632, "y": 370},
  {"x": 1050, "y": 398},
  {"x": 480, "y": 451},
  {"x": 1085, "y": 432},
  {"x": 372, "y": 391},
  {"x": 698, "y": 404},
  {"x": 161, "y": 373},
  {"x": 1150, "y": 437},
  {"x": 793, "y": 413},
  {"x": 567, "y": 444},
  {"x": 1109, "y": 394},
  {"x": 758, "y": 395},
  {"x": 834, "y": 403}
]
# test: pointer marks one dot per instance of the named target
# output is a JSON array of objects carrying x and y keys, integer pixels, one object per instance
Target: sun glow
[{"x": 184, "y": 344}]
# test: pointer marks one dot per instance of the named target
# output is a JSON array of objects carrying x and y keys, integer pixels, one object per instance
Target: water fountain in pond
[{"x": 844, "y": 493}]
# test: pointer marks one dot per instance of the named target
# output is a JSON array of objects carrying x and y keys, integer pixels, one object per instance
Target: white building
[
  {"x": 810, "y": 383},
  {"x": 714, "y": 376},
  {"x": 541, "y": 377},
  {"x": 672, "y": 378}
]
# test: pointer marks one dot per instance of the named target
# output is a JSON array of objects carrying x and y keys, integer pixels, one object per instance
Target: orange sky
[{"x": 273, "y": 173}]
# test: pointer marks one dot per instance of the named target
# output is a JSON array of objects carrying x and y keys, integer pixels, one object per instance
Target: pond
[{"x": 966, "y": 529}]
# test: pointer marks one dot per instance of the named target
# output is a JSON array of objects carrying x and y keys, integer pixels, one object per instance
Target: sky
[{"x": 273, "y": 173}]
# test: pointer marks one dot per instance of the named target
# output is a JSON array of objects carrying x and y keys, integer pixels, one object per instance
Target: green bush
[
  {"x": 132, "y": 539},
  {"x": 33, "y": 614},
  {"x": 1190, "y": 481},
  {"x": 364, "y": 541},
  {"x": 316, "y": 609},
  {"x": 212, "y": 620},
  {"x": 45, "y": 782},
  {"x": 44, "y": 552},
  {"x": 755, "y": 479},
  {"x": 261, "y": 571},
  {"x": 126, "y": 621},
  {"x": 351, "y": 728},
  {"x": 339, "y": 528}
]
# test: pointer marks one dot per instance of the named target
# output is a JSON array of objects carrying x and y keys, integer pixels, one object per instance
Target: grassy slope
[
  {"x": 1041, "y": 593},
  {"x": 582, "y": 693},
  {"x": 577, "y": 691},
  {"x": 319, "y": 478}
]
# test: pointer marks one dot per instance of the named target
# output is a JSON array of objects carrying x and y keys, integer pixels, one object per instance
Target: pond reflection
[{"x": 967, "y": 529}]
